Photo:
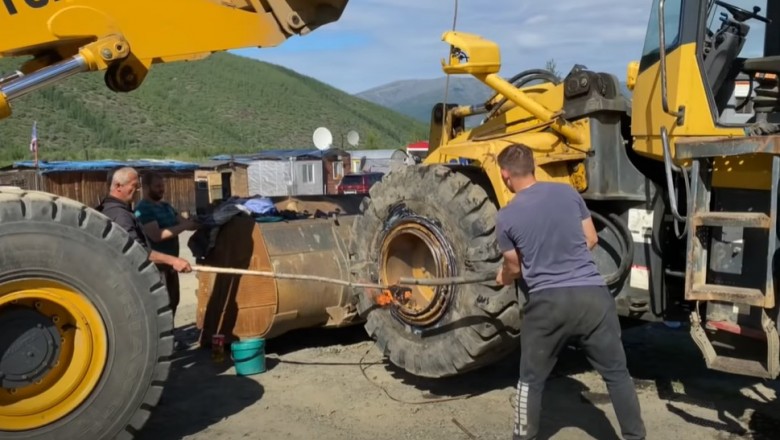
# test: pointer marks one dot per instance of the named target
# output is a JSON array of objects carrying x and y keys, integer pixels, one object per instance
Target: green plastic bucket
[{"x": 248, "y": 356}]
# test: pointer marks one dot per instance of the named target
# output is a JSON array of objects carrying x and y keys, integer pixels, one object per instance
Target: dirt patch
[{"x": 334, "y": 385}]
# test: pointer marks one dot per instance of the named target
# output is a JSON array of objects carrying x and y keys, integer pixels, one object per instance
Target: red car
[{"x": 358, "y": 183}]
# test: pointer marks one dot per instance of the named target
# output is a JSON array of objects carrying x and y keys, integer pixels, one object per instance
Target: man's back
[
  {"x": 119, "y": 212},
  {"x": 545, "y": 221}
]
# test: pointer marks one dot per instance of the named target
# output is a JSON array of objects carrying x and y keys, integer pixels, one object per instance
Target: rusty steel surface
[
  {"x": 741, "y": 219},
  {"x": 242, "y": 306},
  {"x": 719, "y": 146},
  {"x": 411, "y": 250},
  {"x": 239, "y": 244},
  {"x": 737, "y": 295},
  {"x": 346, "y": 204}
]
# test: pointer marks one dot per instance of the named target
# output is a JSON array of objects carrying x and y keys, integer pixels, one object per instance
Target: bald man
[{"x": 124, "y": 184}]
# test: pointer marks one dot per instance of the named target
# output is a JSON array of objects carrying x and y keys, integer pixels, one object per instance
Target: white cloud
[{"x": 379, "y": 41}]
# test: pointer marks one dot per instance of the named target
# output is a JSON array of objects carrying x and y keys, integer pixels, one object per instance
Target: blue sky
[{"x": 379, "y": 41}]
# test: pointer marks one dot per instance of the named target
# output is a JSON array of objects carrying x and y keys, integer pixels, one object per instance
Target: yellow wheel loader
[
  {"x": 85, "y": 327},
  {"x": 682, "y": 180}
]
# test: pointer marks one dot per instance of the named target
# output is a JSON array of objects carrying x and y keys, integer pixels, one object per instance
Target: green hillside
[{"x": 188, "y": 111}]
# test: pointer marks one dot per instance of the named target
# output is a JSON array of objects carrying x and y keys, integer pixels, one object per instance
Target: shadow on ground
[
  {"x": 662, "y": 360},
  {"x": 204, "y": 395},
  {"x": 328, "y": 340},
  {"x": 668, "y": 362}
]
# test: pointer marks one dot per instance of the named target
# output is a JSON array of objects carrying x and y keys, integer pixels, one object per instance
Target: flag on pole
[{"x": 34, "y": 140}]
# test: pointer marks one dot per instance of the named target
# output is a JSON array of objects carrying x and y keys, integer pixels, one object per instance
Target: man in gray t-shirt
[
  {"x": 556, "y": 248},
  {"x": 546, "y": 235}
]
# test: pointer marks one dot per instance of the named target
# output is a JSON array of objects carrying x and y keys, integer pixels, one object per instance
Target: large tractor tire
[
  {"x": 85, "y": 327},
  {"x": 430, "y": 221}
]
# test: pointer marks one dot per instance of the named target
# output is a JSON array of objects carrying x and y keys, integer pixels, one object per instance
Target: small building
[
  {"x": 217, "y": 180},
  {"x": 367, "y": 161},
  {"x": 87, "y": 182},
  {"x": 274, "y": 173},
  {"x": 419, "y": 150}
]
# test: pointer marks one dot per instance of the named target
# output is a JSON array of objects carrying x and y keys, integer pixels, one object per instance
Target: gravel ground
[{"x": 334, "y": 385}]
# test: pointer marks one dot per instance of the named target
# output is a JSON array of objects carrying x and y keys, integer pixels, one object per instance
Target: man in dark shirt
[
  {"x": 162, "y": 226},
  {"x": 546, "y": 235},
  {"x": 124, "y": 184}
]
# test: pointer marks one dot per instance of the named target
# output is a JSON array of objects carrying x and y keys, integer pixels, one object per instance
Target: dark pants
[
  {"x": 171, "y": 279},
  {"x": 588, "y": 315}
]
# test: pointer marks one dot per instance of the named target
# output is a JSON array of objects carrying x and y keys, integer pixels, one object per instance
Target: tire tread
[{"x": 21, "y": 205}]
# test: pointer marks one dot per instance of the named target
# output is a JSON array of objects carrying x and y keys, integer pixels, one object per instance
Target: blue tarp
[
  {"x": 279, "y": 155},
  {"x": 101, "y": 165}
]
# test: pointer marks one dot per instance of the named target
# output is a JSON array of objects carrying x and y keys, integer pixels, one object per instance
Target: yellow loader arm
[{"x": 125, "y": 38}]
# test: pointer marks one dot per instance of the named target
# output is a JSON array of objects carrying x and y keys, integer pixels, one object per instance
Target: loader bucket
[{"x": 252, "y": 306}]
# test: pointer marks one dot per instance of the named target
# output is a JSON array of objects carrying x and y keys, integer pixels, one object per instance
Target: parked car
[{"x": 358, "y": 183}]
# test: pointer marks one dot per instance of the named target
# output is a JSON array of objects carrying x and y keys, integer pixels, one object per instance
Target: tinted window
[
  {"x": 672, "y": 26},
  {"x": 352, "y": 180}
]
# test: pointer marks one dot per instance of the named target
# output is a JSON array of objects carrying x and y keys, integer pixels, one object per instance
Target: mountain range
[
  {"x": 193, "y": 110},
  {"x": 416, "y": 98}
]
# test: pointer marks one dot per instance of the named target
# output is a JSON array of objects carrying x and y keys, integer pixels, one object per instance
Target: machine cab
[{"x": 715, "y": 75}]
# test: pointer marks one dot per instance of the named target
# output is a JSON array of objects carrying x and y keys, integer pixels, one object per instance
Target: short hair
[
  {"x": 518, "y": 159},
  {"x": 123, "y": 175},
  {"x": 150, "y": 178}
]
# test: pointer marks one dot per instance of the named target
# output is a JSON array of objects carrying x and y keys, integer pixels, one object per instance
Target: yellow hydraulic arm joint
[
  {"x": 124, "y": 38},
  {"x": 481, "y": 58}
]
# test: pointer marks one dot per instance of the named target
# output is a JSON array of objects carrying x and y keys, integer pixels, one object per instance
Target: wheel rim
[
  {"x": 53, "y": 344},
  {"x": 415, "y": 248}
]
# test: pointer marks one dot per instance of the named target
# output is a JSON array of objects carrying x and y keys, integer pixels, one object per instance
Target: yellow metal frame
[
  {"x": 559, "y": 146},
  {"x": 686, "y": 88},
  {"x": 160, "y": 31},
  {"x": 140, "y": 33},
  {"x": 80, "y": 364}
]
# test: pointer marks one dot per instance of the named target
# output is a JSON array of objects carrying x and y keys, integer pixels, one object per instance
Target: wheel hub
[
  {"x": 415, "y": 247},
  {"x": 29, "y": 346},
  {"x": 53, "y": 335}
]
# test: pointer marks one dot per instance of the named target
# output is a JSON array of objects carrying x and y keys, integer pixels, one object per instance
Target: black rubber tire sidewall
[
  {"x": 46, "y": 237},
  {"x": 482, "y": 323}
]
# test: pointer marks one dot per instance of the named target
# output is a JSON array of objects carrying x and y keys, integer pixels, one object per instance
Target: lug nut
[
  {"x": 55, "y": 319},
  {"x": 38, "y": 304}
]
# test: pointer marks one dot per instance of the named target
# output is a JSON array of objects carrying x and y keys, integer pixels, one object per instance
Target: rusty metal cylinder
[{"x": 252, "y": 306}]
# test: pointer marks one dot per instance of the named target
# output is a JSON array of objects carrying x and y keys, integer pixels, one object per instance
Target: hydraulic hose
[
  {"x": 672, "y": 190},
  {"x": 545, "y": 72},
  {"x": 520, "y": 80},
  {"x": 625, "y": 242}
]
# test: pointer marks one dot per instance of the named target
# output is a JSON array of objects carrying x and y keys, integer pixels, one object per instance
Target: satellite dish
[
  {"x": 323, "y": 139},
  {"x": 353, "y": 138}
]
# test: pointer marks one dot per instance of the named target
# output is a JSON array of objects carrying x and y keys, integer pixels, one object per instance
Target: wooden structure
[
  {"x": 87, "y": 182},
  {"x": 335, "y": 166},
  {"x": 218, "y": 180}
]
